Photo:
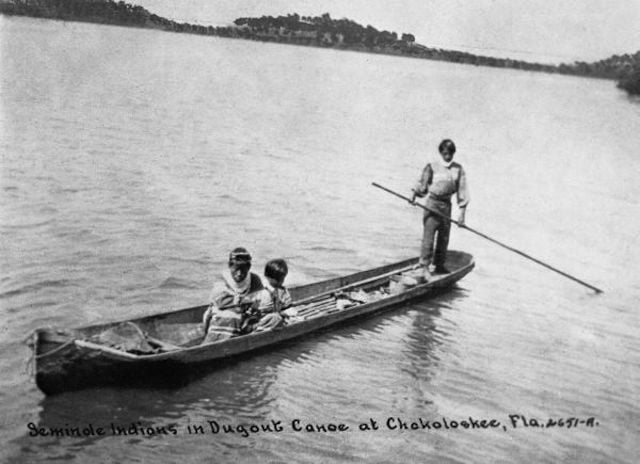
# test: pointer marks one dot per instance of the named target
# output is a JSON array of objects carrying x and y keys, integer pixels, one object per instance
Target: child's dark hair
[
  {"x": 447, "y": 144},
  {"x": 276, "y": 269}
]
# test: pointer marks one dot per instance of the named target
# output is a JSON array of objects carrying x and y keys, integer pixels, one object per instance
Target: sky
[{"x": 549, "y": 31}]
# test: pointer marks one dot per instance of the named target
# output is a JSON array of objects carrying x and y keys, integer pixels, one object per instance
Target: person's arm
[
  {"x": 264, "y": 301},
  {"x": 463, "y": 197},
  {"x": 221, "y": 296},
  {"x": 285, "y": 298},
  {"x": 422, "y": 187},
  {"x": 206, "y": 319},
  {"x": 216, "y": 298}
]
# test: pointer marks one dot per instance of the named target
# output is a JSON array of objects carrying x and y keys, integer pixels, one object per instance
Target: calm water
[{"x": 133, "y": 160}]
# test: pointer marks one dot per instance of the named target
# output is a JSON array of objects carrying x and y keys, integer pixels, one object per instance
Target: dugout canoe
[{"x": 164, "y": 348}]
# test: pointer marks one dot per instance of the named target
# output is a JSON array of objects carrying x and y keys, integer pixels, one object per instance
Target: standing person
[
  {"x": 238, "y": 291},
  {"x": 440, "y": 181}
]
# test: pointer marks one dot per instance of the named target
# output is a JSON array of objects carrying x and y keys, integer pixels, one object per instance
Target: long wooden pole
[{"x": 464, "y": 226}]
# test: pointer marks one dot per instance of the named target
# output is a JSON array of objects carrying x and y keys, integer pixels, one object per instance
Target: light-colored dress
[{"x": 221, "y": 321}]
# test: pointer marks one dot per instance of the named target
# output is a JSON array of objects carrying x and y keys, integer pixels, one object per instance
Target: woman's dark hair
[
  {"x": 447, "y": 144},
  {"x": 240, "y": 256},
  {"x": 276, "y": 269}
]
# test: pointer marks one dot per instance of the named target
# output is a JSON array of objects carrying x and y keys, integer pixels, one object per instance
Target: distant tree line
[
  {"x": 322, "y": 31},
  {"x": 631, "y": 81},
  {"x": 614, "y": 67},
  {"x": 100, "y": 11}
]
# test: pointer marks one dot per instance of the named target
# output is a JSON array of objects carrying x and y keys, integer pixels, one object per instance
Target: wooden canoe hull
[{"x": 65, "y": 361}]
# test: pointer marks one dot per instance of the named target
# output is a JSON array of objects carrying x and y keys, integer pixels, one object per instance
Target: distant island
[{"x": 320, "y": 31}]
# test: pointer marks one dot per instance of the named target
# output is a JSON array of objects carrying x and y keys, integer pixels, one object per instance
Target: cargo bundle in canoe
[{"x": 165, "y": 348}]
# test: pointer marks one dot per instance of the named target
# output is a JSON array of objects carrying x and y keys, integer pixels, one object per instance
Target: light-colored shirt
[
  {"x": 221, "y": 324},
  {"x": 226, "y": 292},
  {"x": 273, "y": 299},
  {"x": 442, "y": 181}
]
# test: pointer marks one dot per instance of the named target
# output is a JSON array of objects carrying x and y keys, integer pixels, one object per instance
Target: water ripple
[{"x": 36, "y": 287}]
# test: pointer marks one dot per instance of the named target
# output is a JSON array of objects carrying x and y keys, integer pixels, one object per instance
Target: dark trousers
[{"x": 436, "y": 232}]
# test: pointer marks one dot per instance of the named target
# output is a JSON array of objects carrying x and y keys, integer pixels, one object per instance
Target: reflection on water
[{"x": 423, "y": 342}]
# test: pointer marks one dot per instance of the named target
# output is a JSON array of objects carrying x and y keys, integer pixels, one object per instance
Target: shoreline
[{"x": 317, "y": 32}]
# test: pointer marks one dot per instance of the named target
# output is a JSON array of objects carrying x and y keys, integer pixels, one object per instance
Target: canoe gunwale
[{"x": 217, "y": 349}]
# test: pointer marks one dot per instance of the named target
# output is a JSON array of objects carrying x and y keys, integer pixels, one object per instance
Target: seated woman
[
  {"x": 238, "y": 290},
  {"x": 274, "y": 297}
]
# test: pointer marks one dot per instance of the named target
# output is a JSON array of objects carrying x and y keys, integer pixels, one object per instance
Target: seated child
[{"x": 274, "y": 298}]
